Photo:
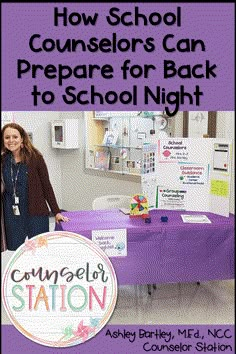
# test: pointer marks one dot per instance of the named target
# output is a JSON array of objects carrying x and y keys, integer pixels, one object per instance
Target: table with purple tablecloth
[{"x": 164, "y": 252}]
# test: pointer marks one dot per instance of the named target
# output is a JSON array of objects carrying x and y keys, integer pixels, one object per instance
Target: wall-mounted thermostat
[{"x": 65, "y": 134}]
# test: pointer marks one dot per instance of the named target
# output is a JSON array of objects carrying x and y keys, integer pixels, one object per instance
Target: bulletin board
[{"x": 188, "y": 174}]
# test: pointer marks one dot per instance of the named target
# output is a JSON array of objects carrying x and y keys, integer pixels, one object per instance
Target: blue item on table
[
  {"x": 164, "y": 218},
  {"x": 148, "y": 220}
]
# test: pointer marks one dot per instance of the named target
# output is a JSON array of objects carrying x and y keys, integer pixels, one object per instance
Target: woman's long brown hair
[{"x": 28, "y": 150}]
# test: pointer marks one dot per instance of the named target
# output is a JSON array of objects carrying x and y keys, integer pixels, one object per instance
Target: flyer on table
[{"x": 118, "y": 145}]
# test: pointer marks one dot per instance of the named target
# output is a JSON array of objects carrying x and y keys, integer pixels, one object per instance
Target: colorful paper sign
[
  {"x": 220, "y": 188},
  {"x": 139, "y": 205}
]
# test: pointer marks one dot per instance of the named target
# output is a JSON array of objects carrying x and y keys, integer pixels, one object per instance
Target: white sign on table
[
  {"x": 112, "y": 242},
  {"x": 199, "y": 219}
]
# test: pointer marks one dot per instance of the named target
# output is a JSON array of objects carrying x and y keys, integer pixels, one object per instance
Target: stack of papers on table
[
  {"x": 125, "y": 211},
  {"x": 201, "y": 219}
]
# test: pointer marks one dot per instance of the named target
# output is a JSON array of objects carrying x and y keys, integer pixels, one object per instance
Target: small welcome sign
[
  {"x": 112, "y": 242},
  {"x": 59, "y": 289}
]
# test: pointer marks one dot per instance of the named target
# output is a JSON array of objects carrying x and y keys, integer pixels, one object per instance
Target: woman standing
[{"x": 27, "y": 188}]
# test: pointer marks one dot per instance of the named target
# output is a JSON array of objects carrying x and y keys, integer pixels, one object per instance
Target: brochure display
[
  {"x": 121, "y": 135},
  {"x": 188, "y": 174}
]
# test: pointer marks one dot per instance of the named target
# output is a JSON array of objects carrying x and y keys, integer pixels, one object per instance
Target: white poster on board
[{"x": 221, "y": 157}]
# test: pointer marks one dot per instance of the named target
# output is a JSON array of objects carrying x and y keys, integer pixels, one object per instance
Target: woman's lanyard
[{"x": 14, "y": 183}]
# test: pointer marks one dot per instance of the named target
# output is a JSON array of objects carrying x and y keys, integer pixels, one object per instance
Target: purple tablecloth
[{"x": 164, "y": 252}]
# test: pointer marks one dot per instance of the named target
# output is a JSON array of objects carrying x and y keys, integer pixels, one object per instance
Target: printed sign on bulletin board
[
  {"x": 173, "y": 150},
  {"x": 193, "y": 174},
  {"x": 171, "y": 199}
]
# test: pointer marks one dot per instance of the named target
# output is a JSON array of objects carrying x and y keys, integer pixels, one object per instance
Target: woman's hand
[{"x": 59, "y": 217}]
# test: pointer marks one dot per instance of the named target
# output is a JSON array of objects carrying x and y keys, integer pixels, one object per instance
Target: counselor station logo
[{"x": 59, "y": 289}]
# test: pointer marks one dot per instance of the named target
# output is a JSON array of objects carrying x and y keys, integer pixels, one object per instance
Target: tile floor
[
  {"x": 189, "y": 303},
  {"x": 185, "y": 303}
]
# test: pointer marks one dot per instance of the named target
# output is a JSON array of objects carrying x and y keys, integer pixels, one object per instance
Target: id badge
[
  {"x": 16, "y": 200},
  {"x": 16, "y": 210}
]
